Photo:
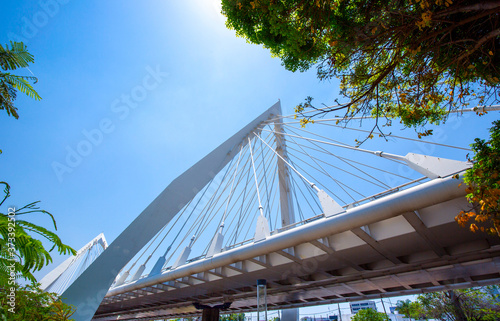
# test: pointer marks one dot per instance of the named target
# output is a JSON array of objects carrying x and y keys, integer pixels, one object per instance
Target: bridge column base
[{"x": 210, "y": 314}]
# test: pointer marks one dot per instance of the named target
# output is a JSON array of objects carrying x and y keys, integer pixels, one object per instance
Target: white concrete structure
[
  {"x": 60, "y": 278},
  {"x": 392, "y": 243},
  {"x": 361, "y": 305}
]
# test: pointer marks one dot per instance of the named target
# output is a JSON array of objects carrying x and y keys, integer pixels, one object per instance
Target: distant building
[{"x": 361, "y": 305}]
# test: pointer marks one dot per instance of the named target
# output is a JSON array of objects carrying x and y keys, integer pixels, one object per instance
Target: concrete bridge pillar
[{"x": 210, "y": 314}]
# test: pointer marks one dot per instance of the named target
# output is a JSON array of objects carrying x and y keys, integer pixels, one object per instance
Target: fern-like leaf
[
  {"x": 15, "y": 56},
  {"x": 21, "y": 83},
  {"x": 12, "y": 57}
]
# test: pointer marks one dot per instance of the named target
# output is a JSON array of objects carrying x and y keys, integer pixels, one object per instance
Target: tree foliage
[
  {"x": 21, "y": 249},
  {"x": 412, "y": 59},
  {"x": 11, "y": 58},
  {"x": 20, "y": 252},
  {"x": 483, "y": 181},
  {"x": 31, "y": 303},
  {"x": 462, "y": 305},
  {"x": 404, "y": 308},
  {"x": 411, "y": 309},
  {"x": 369, "y": 315},
  {"x": 233, "y": 317}
]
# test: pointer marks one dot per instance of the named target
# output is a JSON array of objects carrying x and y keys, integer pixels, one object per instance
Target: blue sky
[
  {"x": 90, "y": 55},
  {"x": 145, "y": 89}
]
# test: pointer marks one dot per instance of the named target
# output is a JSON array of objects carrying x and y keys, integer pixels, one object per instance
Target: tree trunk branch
[{"x": 473, "y": 7}]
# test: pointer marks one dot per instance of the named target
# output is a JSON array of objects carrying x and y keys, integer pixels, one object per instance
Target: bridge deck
[{"x": 408, "y": 252}]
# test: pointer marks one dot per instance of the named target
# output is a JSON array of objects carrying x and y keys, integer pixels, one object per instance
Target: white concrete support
[
  {"x": 434, "y": 167},
  {"x": 286, "y": 202},
  {"x": 216, "y": 245},
  {"x": 430, "y": 166},
  {"x": 182, "y": 258},
  {"x": 121, "y": 278},
  {"x": 262, "y": 229},
  {"x": 330, "y": 207},
  {"x": 87, "y": 292},
  {"x": 158, "y": 266},
  {"x": 138, "y": 273}
]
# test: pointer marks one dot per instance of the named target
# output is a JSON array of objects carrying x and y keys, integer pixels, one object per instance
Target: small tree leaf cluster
[
  {"x": 12, "y": 57},
  {"x": 233, "y": 317},
  {"x": 408, "y": 59},
  {"x": 410, "y": 309},
  {"x": 369, "y": 315},
  {"x": 18, "y": 246},
  {"x": 31, "y": 303},
  {"x": 483, "y": 185},
  {"x": 462, "y": 305},
  {"x": 21, "y": 249}
]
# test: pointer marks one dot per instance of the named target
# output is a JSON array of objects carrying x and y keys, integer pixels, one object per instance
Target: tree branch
[
  {"x": 473, "y": 7},
  {"x": 492, "y": 34}
]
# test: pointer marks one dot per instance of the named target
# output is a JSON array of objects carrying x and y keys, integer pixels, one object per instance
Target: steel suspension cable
[
  {"x": 382, "y": 185},
  {"x": 239, "y": 180},
  {"x": 155, "y": 238},
  {"x": 313, "y": 196},
  {"x": 294, "y": 187},
  {"x": 324, "y": 171},
  {"x": 255, "y": 176},
  {"x": 336, "y": 181},
  {"x": 231, "y": 190},
  {"x": 347, "y": 160},
  {"x": 286, "y": 162},
  {"x": 241, "y": 207},
  {"x": 395, "y": 136},
  {"x": 241, "y": 177},
  {"x": 260, "y": 181},
  {"x": 185, "y": 222},
  {"x": 334, "y": 144},
  {"x": 267, "y": 190},
  {"x": 375, "y": 179}
]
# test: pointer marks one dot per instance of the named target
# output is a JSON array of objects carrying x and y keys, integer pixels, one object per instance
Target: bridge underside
[{"x": 413, "y": 252}]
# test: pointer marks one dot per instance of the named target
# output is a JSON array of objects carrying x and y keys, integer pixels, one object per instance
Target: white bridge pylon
[
  {"x": 60, "y": 278},
  {"x": 270, "y": 199}
]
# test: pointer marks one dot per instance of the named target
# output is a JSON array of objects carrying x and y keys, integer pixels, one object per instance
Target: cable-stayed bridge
[
  {"x": 61, "y": 277},
  {"x": 301, "y": 209}
]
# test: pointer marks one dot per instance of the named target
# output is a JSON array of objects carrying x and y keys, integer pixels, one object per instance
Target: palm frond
[
  {"x": 12, "y": 57},
  {"x": 21, "y": 83},
  {"x": 50, "y": 236},
  {"x": 7, "y": 96},
  {"x": 17, "y": 56},
  {"x": 35, "y": 209},
  {"x": 5, "y": 269},
  {"x": 6, "y": 191},
  {"x": 28, "y": 251}
]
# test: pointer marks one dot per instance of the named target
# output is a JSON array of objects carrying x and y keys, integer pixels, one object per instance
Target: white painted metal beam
[
  {"x": 424, "y": 195},
  {"x": 286, "y": 203}
]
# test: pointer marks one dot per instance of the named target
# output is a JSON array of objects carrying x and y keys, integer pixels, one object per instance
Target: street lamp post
[{"x": 261, "y": 300}]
